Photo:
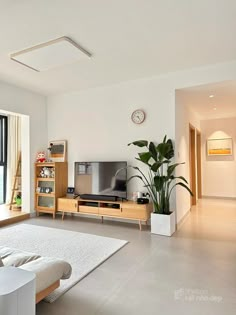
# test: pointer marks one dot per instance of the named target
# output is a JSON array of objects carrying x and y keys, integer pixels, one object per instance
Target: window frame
[{"x": 3, "y": 151}]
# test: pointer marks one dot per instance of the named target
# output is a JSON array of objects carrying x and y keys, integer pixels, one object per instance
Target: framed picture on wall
[
  {"x": 220, "y": 146},
  {"x": 57, "y": 151}
]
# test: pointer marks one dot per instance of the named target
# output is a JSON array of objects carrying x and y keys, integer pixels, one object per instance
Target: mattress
[{"x": 48, "y": 270}]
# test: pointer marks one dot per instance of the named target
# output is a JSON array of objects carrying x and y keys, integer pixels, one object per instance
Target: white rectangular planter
[{"x": 163, "y": 224}]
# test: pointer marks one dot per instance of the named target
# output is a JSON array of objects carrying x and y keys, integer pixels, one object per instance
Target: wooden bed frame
[{"x": 41, "y": 295}]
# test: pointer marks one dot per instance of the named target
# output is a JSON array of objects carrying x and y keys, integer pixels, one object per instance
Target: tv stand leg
[
  {"x": 140, "y": 225},
  {"x": 102, "y": 219}
]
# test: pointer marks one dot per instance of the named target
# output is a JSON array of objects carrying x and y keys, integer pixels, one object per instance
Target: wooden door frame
[
  {"x": 192, "y": 163},
  {"x": 199, "y": 166}
]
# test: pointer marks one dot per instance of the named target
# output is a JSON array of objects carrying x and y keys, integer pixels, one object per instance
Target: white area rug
[{"x": 83, "y": 251}]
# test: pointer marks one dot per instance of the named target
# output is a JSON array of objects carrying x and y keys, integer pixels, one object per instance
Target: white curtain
[{"x": 13, "y": 151}]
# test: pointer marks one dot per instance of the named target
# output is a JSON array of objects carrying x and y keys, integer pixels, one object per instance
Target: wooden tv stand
[{"x": 115, "y": 209}]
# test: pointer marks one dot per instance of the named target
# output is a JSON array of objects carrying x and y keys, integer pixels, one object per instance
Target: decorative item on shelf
[
  {"x": 57, "y": 151},
  {"x": 160, "y": 182},
  {"x": 41, "y": 157},
  {"x": 70, "y": 190},
  {"x": 47, "y": 172},
  {"x": 52, "y": 172},
  {"x": 136, "y": 195},
  {"x": 142, "y": 201},
  {"x": 18, "y": 199},
  {"x": 45, "y": 190}
]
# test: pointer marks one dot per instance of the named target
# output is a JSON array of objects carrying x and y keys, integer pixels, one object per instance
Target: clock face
[{"x": 138, "y": 116}]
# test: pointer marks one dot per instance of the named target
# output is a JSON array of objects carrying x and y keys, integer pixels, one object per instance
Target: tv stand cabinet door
[
  {"x": 67, "y": 205},
  {"x": 136, "y": 211}
]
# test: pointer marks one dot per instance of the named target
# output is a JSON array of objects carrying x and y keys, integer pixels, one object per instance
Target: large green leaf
[
  {"x": 156, "y": 166},
  {"x": 170, "y": 154},
  {"x": 153, "y": 151},
  {"x": 144, "y": 157},
  {"x": 181, "y": 177},
  {"x": 185, "y": 186},
  {"x": 159, "y": 182},
  {"x": 163, "y": 149},
  {"x": 171, "y": 168},
  {"x": 166, "y": 149},
  {"x": 135, "y": 176},
  {"x": 140, "y": 143}
]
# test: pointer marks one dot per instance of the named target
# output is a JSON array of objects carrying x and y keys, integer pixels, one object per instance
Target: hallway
[{"x": 211, "y": 219}]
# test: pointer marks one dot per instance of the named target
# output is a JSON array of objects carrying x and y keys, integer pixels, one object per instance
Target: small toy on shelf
[
  {"x": 47, "y": 172},
  {"x": 52, "y": 172},
  {"x": 41, "y": 157},
  {"x": 18, "y": 199}
]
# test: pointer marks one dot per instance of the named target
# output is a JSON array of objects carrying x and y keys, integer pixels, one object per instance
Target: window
[{"x": 3, "y": 158}]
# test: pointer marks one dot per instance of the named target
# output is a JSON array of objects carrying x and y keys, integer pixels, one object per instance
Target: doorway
[
  {"x": 199, "y": 167},
  {"x": 192, "y": 164}
]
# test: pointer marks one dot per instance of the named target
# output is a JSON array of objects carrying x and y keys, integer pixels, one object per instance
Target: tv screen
[{"x": 101, "y": 178}]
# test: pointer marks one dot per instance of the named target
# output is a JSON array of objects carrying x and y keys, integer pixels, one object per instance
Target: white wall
[
  {"x": 97, "y": 123},
  {"x": 218, "y": 172},
  {"x": 33, "y": 107},
  {"x": 98, "y": 126},
  {"x": 184, "y": 117}
]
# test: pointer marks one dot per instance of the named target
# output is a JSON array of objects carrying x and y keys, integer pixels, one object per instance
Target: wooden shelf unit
[
  {"x": 117, "y": 209},
  {"x": 47, "y": 202}
]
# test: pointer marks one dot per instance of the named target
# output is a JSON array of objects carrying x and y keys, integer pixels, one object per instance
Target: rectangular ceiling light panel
[{"x": 50, "y": 55}]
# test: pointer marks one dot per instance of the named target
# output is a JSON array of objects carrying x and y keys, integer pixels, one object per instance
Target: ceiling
[
  {"x": 210, "y": 101},
  {"x": 128, "y": 39}
]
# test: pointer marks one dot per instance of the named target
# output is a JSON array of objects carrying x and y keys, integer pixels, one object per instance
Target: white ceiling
[
  {"x": 222, "y": 105},
  {"x": 128, "y": 39}
]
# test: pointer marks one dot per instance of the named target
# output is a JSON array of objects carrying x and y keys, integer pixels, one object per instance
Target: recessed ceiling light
[
  {"x": 52, "y": 54},
  {"x": 214, "y": 108},
  {"x": 212, "y": 95}
]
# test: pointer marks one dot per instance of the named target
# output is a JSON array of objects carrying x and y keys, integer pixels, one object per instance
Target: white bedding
[{"x": 48, "y": 270}]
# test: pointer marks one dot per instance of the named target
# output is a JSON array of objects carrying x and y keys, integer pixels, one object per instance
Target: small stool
[{"x": 17, "y": 291}]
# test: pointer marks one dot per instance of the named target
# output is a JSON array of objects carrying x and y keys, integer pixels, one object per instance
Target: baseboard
[
  {"x": 218, "y": 197},
  {"x": 179, "y": 224}
]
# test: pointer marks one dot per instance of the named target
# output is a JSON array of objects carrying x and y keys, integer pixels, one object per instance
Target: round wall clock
[{"x": 138, "y": 116}]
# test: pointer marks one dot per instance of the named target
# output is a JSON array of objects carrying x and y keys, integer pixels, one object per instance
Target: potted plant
[
  {"x": 160, "y": 182},
  {"x": 18, "y": 200}
]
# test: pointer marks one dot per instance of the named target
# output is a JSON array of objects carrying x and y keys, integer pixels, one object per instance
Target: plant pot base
[{"x": 162, "y": 224}]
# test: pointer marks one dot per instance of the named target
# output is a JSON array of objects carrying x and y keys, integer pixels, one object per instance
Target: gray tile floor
[{"x": 193, "y": 272}]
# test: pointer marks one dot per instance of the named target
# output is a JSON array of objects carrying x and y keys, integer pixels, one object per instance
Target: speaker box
[{"x": 98, "y": 197}]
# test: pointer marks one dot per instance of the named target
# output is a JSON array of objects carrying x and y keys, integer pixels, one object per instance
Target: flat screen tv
[{"x": 101, "y": 178}]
